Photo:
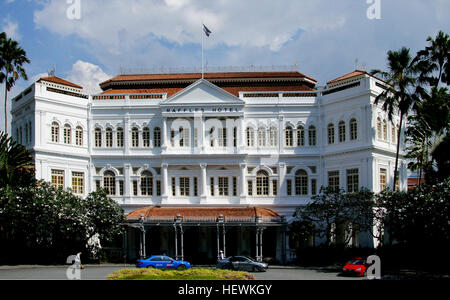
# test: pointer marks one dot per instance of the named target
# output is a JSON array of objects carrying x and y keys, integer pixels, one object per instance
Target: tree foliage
[
  {"x": 16, "y": 163},
  {"x": 399, "y": 97},
  {"x": 43, "y": 217},
  {"x": 428, "y": 131},
  {"x": 12, "y": 61},
  {"x": 331, "y": 207},
  {"x": 419, "y": 217}
]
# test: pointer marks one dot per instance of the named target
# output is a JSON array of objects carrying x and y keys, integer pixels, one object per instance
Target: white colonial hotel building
[{"x": 221, "y": 162}]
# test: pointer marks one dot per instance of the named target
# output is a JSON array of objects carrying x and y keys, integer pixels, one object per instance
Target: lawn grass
[{"x": 191, "y": 274}]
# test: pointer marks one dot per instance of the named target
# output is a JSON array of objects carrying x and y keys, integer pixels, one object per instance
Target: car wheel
[
  {"x": 181, "y": 268},
  {"x": 150, "y": 267},
  {"x": 256, "y": 269}
]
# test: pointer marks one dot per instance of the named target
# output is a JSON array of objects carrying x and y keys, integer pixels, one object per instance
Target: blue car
[{"x": 162, "y": 262}]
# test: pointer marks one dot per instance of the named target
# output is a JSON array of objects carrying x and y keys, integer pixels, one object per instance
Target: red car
[{"x": 357, "y": 266}]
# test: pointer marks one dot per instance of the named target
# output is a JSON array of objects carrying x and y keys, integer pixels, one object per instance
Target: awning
[{"x": 205, "y": 215}]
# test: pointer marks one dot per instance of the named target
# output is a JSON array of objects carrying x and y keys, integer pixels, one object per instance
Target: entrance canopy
[{"x": 154, "y": 214}]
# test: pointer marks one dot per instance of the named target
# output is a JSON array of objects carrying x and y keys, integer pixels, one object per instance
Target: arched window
[
  {"x": 312, "y": 136},
  {"x": 330, "y": 134},
  {"x": 157, "y": 137},
  {"x": 223, "y": 137},
  {"x": 98, "y": 137},
  {"x": 250, "y": 137},
  {"x": 273, "y": 137},
  {"x": 109, "y": 183},
  {"x": 289, "y": 136},
  {"x": 394, "y": 134},
  {"x": 182, "y": 139},
  {"x": 67, "y": 134},
  {"x": 212, "y": 133},
  {"x": 262, "y": 137},
  {"x": 379, "y": 129},
  {"x": 301, "y": 183},
  {"x": 300, "y": 136},
  {"x": 55, "y": 132},
  {"x": 353, "y": 129},
  {"x": 79, "y": 136},
  {"x": 147, "y": 184},
  {"x": 146, "y": 137},
  {"x": 120, "y": 139},
  {"x": 385, "y": 130},
  {"x": 109, "y": 138},
  {"x": 342, "y": 132},
  {"x": 262, "y": 183},
  {"x": 135, "y": 137}
]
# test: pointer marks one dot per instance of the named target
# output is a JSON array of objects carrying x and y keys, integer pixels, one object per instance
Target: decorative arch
[
  {"x": 111, "y": 169},
  {"x": 263, "y": 168}
]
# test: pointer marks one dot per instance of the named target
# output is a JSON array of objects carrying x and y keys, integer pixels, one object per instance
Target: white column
[
  {"x": 201, "y": 136},
  {"x": 126, "y": 134},
  {"x": 165, "y": 182},
  {"x": 281, "y": 180},
  {"x": 243, "y": 187},
  {"x": 164, "y": 134},
  {"x": 240, "y": 134},
  {"x": 203, "y": 195},
  {"x": 127, "y": 181}
]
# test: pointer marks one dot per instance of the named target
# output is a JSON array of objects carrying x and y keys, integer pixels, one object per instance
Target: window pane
[
  {"x": 78, "y": 183},
  {"x": 58, "y": 179},
  {"x": 223, "y": 186},
  {"x": 333, "y": 180},
  {"x": 301, "y": 183},
  {"x": 352, "y": 180},
  {"x": 109, "y": 183}
]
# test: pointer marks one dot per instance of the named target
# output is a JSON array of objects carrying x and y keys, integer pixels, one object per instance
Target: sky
[{"x": 90, "y": 40}]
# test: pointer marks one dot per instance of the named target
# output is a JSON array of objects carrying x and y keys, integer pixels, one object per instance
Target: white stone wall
[{"x": 367, "y": 153}]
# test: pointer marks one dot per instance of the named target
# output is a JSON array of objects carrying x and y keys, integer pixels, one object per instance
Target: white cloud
[
  {"x": 233, "y": 22},
  {"x": 11, "y": 28},
  {"x": 324, "y": 36},
  {"x": 88, "y": 75}
]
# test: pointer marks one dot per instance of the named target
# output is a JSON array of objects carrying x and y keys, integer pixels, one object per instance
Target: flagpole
[{"x": 203, "y": 60}]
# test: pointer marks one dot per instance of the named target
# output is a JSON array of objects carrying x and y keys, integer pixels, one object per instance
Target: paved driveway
[{"x": 100, "y": 273}]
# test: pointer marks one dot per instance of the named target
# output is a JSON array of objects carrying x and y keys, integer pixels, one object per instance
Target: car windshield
[
  {"x": 250, "y": 259},
  {"x": 357, "y": 262}
]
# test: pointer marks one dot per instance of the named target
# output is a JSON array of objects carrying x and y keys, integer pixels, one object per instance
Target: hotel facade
[{"x": 215, "y": 163}]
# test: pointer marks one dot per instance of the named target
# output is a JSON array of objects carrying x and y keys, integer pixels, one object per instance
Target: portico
[{"x": 208, "y": 230}]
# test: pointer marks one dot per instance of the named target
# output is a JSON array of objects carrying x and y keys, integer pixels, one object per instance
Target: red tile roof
[
  {"x": 232, "y": 90},
  {"x": 154, "y": 211},
  {"x": 208, "y": 76},
  {"x": 58, "y": 80},
  {"x": 349, "y": 75}
]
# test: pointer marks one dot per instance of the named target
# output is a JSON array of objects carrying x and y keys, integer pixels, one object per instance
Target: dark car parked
[{"x": 242, "y": 263}]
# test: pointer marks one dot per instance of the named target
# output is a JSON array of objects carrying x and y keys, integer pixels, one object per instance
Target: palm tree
[
  {"x": 432, "y": 121},
  {"x": 16, "y": 163},
  {"x": 12, "y": 59},
  {"x": 399, "y": 95},
  {"x": 434, "y": 61}
]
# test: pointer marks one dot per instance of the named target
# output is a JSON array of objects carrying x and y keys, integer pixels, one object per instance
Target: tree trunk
[
  {"x": 6, "y": 110},
  {"x": 398, "y": 150}
]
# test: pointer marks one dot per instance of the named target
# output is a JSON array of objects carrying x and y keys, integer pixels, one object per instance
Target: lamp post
[{"x": 142, "y": 227}]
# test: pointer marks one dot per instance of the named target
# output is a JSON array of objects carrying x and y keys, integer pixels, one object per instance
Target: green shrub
[{"x": 191, "y": 274}]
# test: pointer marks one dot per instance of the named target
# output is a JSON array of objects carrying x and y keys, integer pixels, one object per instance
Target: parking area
[{"x": 95, "y": 272}]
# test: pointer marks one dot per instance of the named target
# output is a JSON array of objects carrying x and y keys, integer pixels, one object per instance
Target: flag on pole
[{"x": 206, "y": 30}]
